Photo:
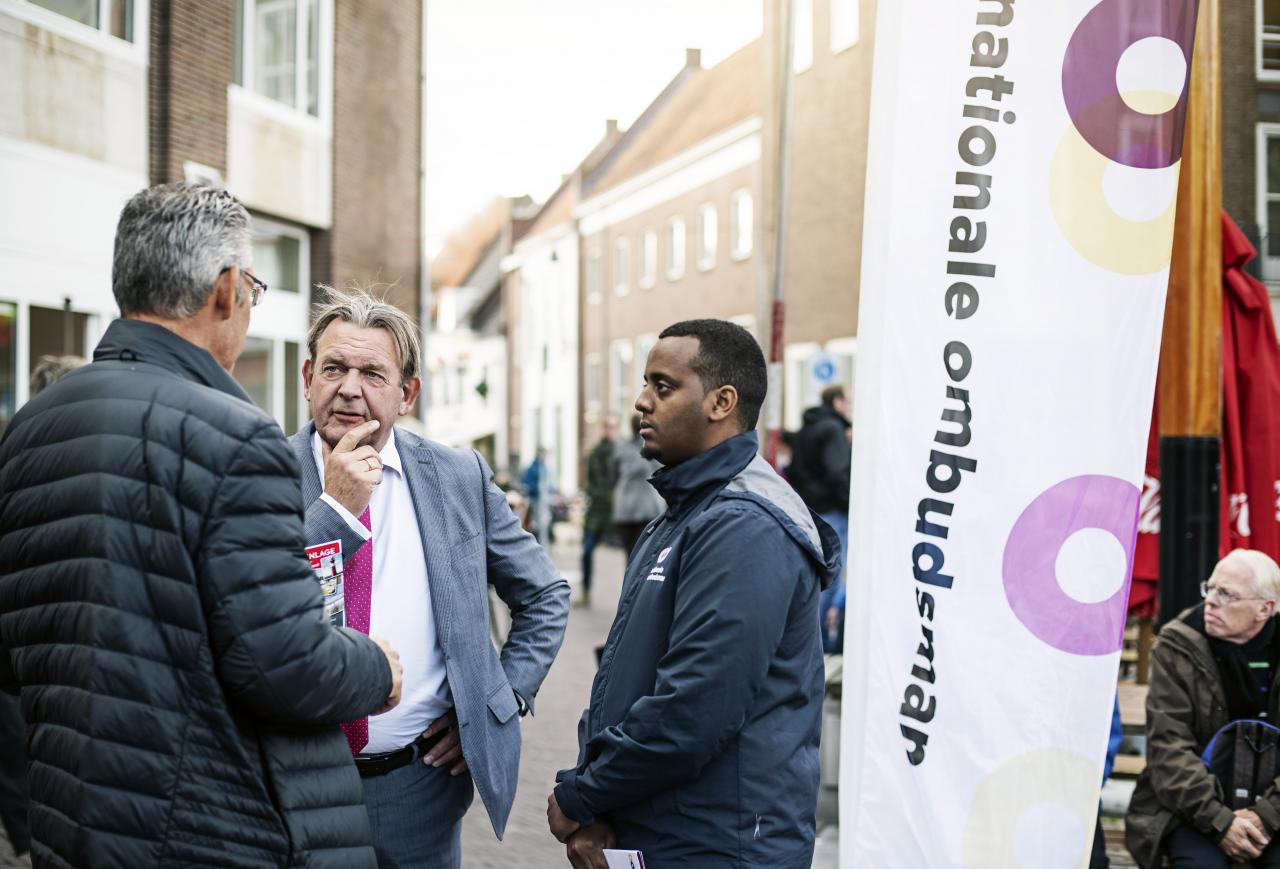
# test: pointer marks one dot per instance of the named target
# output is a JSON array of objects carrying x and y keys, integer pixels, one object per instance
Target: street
[{"x": 550, "y": 734}]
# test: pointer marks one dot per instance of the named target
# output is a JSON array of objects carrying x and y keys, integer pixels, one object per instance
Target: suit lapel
[
  {"x": 423, "y": 478},
  {"x": 301, "y": 443}
]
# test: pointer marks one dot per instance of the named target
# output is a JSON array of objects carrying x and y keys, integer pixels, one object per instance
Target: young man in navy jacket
[{"x": 700, "y": 745}]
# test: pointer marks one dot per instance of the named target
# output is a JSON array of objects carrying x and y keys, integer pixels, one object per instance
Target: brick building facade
[{"x": 309, "y": 111}]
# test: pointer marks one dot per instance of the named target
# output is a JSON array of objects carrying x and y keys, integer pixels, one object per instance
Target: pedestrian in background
[
  {"x": 181, "y": 688},
  {"x": 700, "y": 744},
  {"x": 819, "y": 470},
  {"x": 1217, "y": 663},
  {"x": 601, "y": 476},
  {"x": 537, "y": 488},
  {"x": 635, "y": 502}
]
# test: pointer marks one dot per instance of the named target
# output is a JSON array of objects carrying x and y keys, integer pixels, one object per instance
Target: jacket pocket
[{"x": 502, "y": 703}]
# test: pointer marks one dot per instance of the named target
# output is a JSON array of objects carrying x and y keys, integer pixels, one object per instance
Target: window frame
[
  {"x": 707, "y": 255},
  {"x": 841, "y": 41},
  {"x": 592, "y": 375},
  {"x": 264, "y": 225},
  {"x": 593, "y": 275},
  {"x": 96, "y": 38},
  {"x": 1269, "y": 265},
  {"x": 621, "y": 265},
  {"x": 619, "y": 369},
  {"x": 802, "y": 61},
  {"x": 246, "y": 44},
  {"x": 648, "y": 259},
  {"x": 1260, "y": 39},
  {"x": 735, "y": 230},
  {"x": 675, "y": 266}
]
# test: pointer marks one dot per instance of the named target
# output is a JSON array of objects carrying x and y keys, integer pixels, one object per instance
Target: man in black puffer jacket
[{"x": 181, "y": 688}]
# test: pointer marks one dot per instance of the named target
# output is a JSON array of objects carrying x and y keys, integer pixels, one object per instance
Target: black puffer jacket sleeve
[{"x": 273, "y": 651}]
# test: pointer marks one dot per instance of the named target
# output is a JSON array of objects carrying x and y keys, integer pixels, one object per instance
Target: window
[
  {"x": 8, "y": 362},
  {"x": 707, "y": 235},
  {"x": 110, "y": 16},
  {"x": 648, "y": 258},
  {"x": 253, "y": 371},
  {"x": 278, "y": 48},
  {"x": 621, "y": 265},
  {"x": 281, "y": 255},
  {"x": 1269, "y": 39},
  {"x": 622, "y": 387},
  {"x": 591, "y": 381},
  {"x": 675, "y": 248},
  {"x": 1269, "y": 200},
  {"x": 594, "y": 277},
  {"x": 643, "y": 345},
  {"x": 844, "y": 24},
  {"x": 292, "y": 379},
  {"x": 742, "y": 224},
  {"x": 802, "y": 47}
]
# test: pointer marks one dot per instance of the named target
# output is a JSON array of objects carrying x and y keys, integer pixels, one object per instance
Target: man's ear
[
  {"x": 308, "y": 370},
  {"x": 222, "y": 300},
  {"x": 723, "y": 403},
  {"x": 409, "y": 394}
]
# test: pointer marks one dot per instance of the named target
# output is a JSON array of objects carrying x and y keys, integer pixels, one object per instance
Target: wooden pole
[{"x": 1190, "y": 355}]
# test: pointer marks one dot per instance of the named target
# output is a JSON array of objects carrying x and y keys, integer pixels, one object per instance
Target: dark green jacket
[{"x": 600, "y": 480}]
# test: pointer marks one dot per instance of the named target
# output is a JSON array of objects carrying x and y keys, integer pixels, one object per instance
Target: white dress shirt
[{"x": 400, "y": 608}]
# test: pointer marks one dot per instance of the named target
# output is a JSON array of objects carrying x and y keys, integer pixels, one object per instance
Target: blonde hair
[
  {"x": 1264, "y": 571},
  {"x": 359, "y": 307}
]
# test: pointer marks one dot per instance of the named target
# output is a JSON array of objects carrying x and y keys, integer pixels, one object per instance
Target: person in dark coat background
[
  {"x": 601, "y": 476},
  {"x": 700, "y": 744},
  {"x": 821, "y": 456},
  {"x": 182, "y": 690}
]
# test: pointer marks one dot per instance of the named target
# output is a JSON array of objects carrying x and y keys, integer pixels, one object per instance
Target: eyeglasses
[
  {"x": 257, "y": 286},
  {"x": 1225, "y": 598}
]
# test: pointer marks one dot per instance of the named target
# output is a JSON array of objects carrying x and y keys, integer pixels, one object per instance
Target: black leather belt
[{"x": 370, "y": 765}]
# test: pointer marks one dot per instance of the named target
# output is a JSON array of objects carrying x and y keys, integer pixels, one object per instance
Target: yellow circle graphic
[
  {"x": 1091, "y": 225},
  {"x": 1045, "y": 776}
]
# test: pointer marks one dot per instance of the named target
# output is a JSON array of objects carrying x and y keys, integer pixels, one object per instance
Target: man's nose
[
  {"x": 349, "y": 387},
  {"x": 642, "y": 402}
]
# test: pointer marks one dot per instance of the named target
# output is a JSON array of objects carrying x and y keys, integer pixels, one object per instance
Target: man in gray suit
[{"x": 406, "y": 536}]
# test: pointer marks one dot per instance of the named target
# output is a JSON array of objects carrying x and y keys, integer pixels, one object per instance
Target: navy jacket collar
[
  {"x": 679, "y": 484},
  {"x": 139, "y": 341}
]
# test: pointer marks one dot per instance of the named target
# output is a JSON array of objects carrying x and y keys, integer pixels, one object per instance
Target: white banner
[{"x": 1022, "y": 176}]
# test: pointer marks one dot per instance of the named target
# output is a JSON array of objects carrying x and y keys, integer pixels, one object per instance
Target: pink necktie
[{"x": 357, "y": 589}]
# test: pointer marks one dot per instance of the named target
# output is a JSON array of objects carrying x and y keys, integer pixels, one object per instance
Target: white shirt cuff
[{"x": 354, "y": 521}]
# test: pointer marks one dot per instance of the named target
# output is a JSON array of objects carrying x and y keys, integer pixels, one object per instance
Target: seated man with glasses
[{"x": 1214, "y": 664}]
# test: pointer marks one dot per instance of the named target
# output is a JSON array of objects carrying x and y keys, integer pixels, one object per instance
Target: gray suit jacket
[{"x": 471, "y": 539}]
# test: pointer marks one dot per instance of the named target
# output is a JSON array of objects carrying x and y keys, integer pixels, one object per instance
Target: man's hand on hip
[
  {"x": 448, "y": 747},
  {"x": 562, "y": 826},
  {"x": 397, "y": 675},
  {"x": 351, "y": 471},
  {"x": 585, "y": 848}
]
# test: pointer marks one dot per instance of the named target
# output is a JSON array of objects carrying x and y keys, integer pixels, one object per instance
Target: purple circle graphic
[
  {"x": 1030, "y": 579},
  {"x": 1089, "y": 80}
]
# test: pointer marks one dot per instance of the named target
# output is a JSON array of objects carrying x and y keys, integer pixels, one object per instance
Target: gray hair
[
  {"x": 50, "y": 369},
  {"x": 358, "y": 307},
  {"x": 172, "y": 242},
  {"x": 1260, "y": 566}
]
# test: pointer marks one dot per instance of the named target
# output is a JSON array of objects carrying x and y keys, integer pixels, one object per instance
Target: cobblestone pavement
[{"x": 550, "y": 739}]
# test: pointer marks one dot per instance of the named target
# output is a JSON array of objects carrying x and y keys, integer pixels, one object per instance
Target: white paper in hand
[{"x": 619, "y": 859}]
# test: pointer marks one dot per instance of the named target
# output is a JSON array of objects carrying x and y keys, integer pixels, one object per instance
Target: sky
[{"x": 518, "y": 90}]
